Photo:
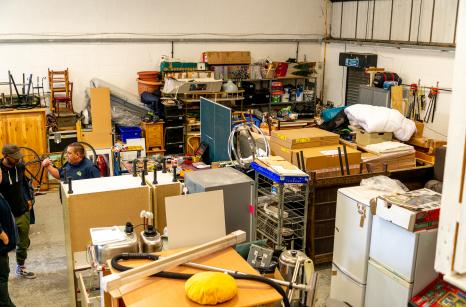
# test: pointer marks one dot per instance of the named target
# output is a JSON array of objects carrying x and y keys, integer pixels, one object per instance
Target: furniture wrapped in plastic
[{"x": 127, "y": 108}]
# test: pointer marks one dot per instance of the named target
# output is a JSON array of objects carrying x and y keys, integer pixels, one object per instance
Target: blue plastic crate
[
  {"x": 130, "y": 132},
  {"x": 276, "y": 177}
]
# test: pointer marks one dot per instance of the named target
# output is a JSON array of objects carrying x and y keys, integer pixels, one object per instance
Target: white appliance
[
  {"x": 353, "y": 225},
  {"x": 401, "y": 264}
]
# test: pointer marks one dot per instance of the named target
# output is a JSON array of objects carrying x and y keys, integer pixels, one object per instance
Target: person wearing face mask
[
  {"x": 15, "y": 189},
  {"x": 78, "y": 166}
]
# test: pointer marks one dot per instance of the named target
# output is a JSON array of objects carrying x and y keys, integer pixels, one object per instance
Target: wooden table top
[{"x": 163, "y": 292}]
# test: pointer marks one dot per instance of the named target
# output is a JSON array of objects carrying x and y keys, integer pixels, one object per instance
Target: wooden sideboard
[{"x": 24, "y": 128}]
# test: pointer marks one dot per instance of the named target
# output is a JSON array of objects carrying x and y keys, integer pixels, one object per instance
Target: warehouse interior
[{"x": 264, "y": 153}]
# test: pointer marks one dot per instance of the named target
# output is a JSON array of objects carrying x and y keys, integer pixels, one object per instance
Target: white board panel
[
  {"x": 382, "y": 19},
  {"x": 415, "y": 21},
  {"x": 400, "y": 24},
  {"x": 363, "y": 16},
  {"x": 349, "y": 19},
  {"x": 194, "y": 219},
  {"x": 444, "y": 21},
  {"x": 336, "y": 19},
  {"x": 425, "y": 21}
]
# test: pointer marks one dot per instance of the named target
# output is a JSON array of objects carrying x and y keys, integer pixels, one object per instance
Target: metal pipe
[
  {"x": 419, "y": 21},
  {"x": 456, "y": 21},
  {"x": 346, "y": 159},
  {"x": 341, "y": 162},
  {"x": 173, "y": 49},
  {"x": 135, "y": 171},
  {"x": 391, "y": 23},
  {"x": 157, "y": 40},
  {"x": 410, "y": 21},
  {"x": 432, "y": 22},
  {"x": 373, "y": 16},
  {"x": 299, "y": 161},
  {"x": 70, "y": 188},
  {"x": 356, "y": 27},
  {"x": 341, "y": 19},
  {"x": 155, "y": 174},
  {"x": 301, "y": 156}
]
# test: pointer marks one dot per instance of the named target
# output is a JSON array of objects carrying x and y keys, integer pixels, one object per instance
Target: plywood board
[
  {"x": 101, "y": 134},
  {"x": 101, "y": 202},
  {"x": 170, "y": 292},
  {"x": 164, "y": 188},
  {"x": 195, "y": 218}
]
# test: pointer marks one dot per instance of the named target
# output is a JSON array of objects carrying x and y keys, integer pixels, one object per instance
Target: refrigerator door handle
[{"x": 348, "y": 274}]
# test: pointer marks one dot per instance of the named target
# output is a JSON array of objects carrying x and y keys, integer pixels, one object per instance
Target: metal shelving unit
[{"x": 281, "y": 212}]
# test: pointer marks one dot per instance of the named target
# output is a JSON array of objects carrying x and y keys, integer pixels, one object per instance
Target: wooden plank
[
  {"x": 113, "y": 283},
  {"x": 101, "y": 134}
]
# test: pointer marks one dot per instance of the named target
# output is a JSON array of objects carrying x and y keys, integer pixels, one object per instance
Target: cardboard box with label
[
  {"x": 415, "y": 210},
  {"x": 226, "y": 57},
  {"x": 323, "y": 159},
  {"x": 304, "y": 138}
]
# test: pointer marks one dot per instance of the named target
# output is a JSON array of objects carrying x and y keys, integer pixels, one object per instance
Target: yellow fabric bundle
[{"x": 210, "y": 288}]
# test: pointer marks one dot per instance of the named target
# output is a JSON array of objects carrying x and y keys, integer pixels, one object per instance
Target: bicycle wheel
[
  {"x": 89, "y": 153},
  {"x": 32, "y": 162}
]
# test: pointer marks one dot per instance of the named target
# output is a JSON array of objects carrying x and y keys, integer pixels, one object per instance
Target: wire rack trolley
[{"x": 281, "y": 212}]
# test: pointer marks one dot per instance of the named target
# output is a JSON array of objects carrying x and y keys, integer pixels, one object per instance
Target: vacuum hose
[{"x": 184, "y": 276}]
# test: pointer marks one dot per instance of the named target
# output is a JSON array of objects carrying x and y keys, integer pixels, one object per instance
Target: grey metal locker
[{"x": 238, "y": 195}]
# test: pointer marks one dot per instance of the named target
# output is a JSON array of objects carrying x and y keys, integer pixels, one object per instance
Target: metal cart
[{"x": 281, "y": 210}]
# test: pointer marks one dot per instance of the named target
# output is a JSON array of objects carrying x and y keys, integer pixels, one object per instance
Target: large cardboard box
[
  {"x": 304, "y": 138},
  {"x": 324, "y": 160},
  {"x": 326, "y": 157},
  {"x": 226, "y": 57},
  {"x": 415, "y": 210}
]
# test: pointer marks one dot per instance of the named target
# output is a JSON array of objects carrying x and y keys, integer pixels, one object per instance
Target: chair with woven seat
[{"x": 61, "y": 91}]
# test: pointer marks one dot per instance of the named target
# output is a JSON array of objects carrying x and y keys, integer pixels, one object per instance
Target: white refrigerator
[
  {"x": 401, "y": 264},
  {"x": 353, "y": 225}
]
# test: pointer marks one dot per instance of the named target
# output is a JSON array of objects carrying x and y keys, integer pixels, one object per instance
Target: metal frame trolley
[{"x": 281, "y": 204}]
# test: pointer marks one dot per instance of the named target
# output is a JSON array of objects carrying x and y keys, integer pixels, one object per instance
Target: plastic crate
[{"x": 129, "y": 132}]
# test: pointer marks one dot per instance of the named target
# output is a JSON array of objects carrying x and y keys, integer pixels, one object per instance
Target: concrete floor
[{"x": 47, "y": 258}]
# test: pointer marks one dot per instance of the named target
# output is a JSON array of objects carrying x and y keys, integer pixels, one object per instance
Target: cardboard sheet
[{"x": 195, "y": 218}]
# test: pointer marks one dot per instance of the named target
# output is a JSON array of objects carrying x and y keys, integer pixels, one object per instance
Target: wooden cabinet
[
  {"x": 153, "y": 132},
  {"x": 24, "y": 128}
]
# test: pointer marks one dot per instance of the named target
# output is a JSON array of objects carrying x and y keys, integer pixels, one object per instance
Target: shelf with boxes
[{"x": 297, "y": 92}]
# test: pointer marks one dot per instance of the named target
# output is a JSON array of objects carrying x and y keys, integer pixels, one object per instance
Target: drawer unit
[{"x": 154, "y": 135}]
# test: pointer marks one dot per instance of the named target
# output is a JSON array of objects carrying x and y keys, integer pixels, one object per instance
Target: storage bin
[{"x": 129, "y": 132}]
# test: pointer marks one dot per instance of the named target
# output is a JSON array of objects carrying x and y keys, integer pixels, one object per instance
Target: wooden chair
[{"x": 61, "y": 91}]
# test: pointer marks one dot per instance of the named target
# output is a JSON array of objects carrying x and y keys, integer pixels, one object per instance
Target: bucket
[
  {"x": 148, "y": 86},
  {"x": 149, "y": 75}
]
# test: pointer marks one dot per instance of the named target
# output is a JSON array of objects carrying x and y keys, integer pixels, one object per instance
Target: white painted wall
[
  {"x": 118, "y": 63},
  {"x": 357, "y": 20},
  {"x": 410, "y": 64}
]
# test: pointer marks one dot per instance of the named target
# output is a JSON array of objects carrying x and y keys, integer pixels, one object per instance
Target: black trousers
[{"x": 5, "y": 300}]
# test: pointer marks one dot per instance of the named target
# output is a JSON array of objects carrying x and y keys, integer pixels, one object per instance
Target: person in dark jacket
[
  {"x": 7, "y": 244},
  {"x": 78, "y": 166},
  {"x": 15, "y": 189}
]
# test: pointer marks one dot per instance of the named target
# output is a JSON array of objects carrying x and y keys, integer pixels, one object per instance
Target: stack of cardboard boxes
[{"x": 319, "y": 147}]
